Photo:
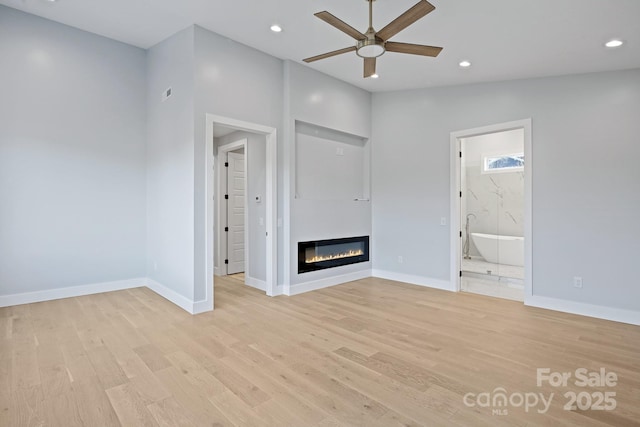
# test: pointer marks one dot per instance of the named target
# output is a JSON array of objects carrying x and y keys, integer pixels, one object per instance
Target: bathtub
[{"x": 500, "y": 249}]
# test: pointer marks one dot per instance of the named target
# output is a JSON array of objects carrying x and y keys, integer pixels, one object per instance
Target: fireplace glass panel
[{"x": 321, "y": 254}]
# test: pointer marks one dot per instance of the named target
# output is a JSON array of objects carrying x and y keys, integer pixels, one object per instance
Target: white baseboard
[
  {"x": 414, "y": 280},
  {"x": 256, "y": 283},
  {"x": 217, "y": 271},
  {"x": 202, "y": 306},
  {"x": 325, "y": 283},
  {"x": 601, "y": 312},
  {"x": 192, "y": 307},
  {"x": 69, "y": 292},
  {"x": 171, "y": 295},
  {"x": 98, "y": 288},
  {"x": 583, "y": 309}
]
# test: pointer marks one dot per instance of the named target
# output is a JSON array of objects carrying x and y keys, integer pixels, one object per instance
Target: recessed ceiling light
[
  {"x": 614, "y": 43},
  {"x": 465, "y": 64},
  {"x": 276, "y": 28},
  {"x": 374, "y": 76}
]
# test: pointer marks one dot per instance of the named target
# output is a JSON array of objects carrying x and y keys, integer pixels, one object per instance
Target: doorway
[
  {"x": 264, "y": 224},
  {"x": 240, "y": 223},
  {"x": 491, "y": 210}
]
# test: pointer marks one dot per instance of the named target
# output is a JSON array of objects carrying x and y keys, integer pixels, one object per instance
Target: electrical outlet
[
  {"x": 443, "y": 220},
  {"x": 155, "y": 266},
  {"x": 577, "y": 282},
  {"x": 400, "y": 260}
]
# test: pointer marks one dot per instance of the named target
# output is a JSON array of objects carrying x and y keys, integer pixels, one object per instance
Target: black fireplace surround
[{"x": 321, "y": 254}]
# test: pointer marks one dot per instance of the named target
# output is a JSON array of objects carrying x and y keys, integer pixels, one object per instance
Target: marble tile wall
[{"x": 496, "y": 200}]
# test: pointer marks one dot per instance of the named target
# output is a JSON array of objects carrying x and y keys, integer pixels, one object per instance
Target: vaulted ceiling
[{"x": 503, "y": 39}]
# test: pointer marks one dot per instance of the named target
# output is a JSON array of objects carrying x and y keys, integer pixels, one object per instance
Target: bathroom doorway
[{"x": 492, "y": 211}]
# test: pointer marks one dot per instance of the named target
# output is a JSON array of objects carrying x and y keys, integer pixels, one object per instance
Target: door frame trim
[
  {"x": 223, "y": 178},
  {"x": 455, "y": 221},
  {"x": 271, "y": 195}
]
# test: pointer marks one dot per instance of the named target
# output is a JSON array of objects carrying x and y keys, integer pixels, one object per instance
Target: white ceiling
[{"x": 504, "y": 39}]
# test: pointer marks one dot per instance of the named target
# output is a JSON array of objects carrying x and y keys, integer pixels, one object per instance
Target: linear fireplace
[{"x": 321, "y": 254}]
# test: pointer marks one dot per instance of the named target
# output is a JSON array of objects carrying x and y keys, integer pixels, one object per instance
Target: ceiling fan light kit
[
  {"x": 369, "y": 48},
  {"x": 372, "y": 44}
]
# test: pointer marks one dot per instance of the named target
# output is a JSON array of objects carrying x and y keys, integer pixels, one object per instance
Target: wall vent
[{"x": 166, "y": 94}]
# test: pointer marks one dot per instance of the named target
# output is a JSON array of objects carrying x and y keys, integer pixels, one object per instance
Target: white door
[{"x": 235, "y": 212}]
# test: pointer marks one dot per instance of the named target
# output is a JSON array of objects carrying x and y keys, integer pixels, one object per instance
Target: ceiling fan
[{"x": 373, "y": 43}]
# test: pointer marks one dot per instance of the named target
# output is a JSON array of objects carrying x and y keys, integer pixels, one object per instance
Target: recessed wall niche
[{"x": 331, "y": 165}]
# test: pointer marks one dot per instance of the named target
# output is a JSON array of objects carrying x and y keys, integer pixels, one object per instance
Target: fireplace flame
[{"x": 348, "y": 254}]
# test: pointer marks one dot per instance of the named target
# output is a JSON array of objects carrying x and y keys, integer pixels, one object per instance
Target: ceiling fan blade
[
  {"x": 412, "y": 49},
  {"x": 330, "y": 54},
  {"x": 341, "y": 25},
  {"x": 422, "y": 8},
  {"x": 369, "y": 67}
]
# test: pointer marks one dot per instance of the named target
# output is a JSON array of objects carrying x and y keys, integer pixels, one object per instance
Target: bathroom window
[{"x": 503, "y": 163}]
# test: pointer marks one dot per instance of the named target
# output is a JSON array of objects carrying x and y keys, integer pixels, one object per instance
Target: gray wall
[
  {"x": 585, "y": 178},
  {"x": 80, "y": 193},
  {"x": 238, "y": 82},
  {"x": 256, "y": 186},
  {"x": 344, "y": 112},
  {"x": 72, "y": 156},
  {"x": 170, "y": 173}
]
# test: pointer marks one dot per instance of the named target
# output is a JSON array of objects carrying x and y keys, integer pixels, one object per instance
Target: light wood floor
[{"x": 366, "y": 353}]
